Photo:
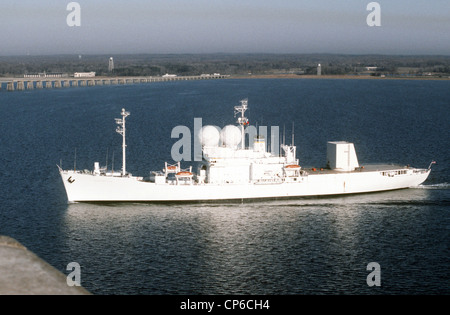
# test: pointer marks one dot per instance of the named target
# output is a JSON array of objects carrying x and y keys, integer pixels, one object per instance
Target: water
[{"x": 304, "y": 246}]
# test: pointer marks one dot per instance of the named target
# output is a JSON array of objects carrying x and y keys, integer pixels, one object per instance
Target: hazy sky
[{"x": 230, "y": 26}]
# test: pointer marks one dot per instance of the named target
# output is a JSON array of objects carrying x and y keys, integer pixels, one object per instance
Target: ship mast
[
  {"x": 242, "y": 120},
  {"x": 121, "y": 130}
]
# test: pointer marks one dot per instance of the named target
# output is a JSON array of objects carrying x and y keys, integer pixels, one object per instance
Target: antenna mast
[
  {"x": 121, "y": 130},
  {"x": 242, "y": 120},
  {"x": 293, "y": 143}
]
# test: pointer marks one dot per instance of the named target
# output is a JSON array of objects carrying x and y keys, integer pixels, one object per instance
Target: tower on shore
[
  {"x": 111, "y": 64},
  {"x": 319, "y": 69}
]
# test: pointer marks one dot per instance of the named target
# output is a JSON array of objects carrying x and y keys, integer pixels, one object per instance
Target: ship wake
[{"x": 434, "y": 186}]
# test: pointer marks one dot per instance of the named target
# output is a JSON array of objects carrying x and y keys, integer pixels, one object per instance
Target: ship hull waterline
[{"x": 81, "y": 187}]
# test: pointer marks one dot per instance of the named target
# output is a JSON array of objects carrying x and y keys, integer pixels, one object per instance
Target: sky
[{"x": 39, "y": 27}]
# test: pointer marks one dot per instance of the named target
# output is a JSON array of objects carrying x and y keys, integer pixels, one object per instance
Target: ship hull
[{"x": 86, "y": 187}]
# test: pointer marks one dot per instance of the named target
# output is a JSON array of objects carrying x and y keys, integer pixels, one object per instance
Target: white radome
[
  {"x": 230, "y": 136},
  {"x": 209, "y": 136}
]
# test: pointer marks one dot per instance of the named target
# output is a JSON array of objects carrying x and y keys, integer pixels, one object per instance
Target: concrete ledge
[{"x": 24, "y": 273}]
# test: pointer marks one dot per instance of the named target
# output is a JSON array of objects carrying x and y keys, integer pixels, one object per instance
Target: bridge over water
[{"x": 21, "y": 84}]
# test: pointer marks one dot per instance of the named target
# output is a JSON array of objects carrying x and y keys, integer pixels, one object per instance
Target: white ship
[{"x": 231, "y": 171}]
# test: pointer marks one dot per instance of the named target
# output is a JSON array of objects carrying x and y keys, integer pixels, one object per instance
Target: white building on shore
[
  {"x": 46, "y": 75},
  {"x": 84, "y": 74}
]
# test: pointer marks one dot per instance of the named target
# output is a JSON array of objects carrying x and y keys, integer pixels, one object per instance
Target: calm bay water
[{"x": 304, "y": 246}]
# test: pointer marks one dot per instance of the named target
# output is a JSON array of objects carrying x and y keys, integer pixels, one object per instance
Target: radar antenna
[
  {"x": 242, "y": 120},
  {"x": 121, "y": 130}
]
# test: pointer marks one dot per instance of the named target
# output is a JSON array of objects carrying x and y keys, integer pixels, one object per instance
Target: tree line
[{"x": 230, "y": 64}]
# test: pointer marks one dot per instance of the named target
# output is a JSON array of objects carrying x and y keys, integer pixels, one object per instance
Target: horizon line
[{"x": 232, "y": 53}]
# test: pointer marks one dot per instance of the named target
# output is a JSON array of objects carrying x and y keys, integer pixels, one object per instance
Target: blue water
[{"x": 304, "y": 246}]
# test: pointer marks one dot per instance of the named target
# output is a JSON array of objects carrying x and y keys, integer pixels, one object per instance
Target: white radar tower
[
  {"x": 242, "y": 120},
  {"x": 121, "y": 130},
  {"x": 111, "y": 64}
]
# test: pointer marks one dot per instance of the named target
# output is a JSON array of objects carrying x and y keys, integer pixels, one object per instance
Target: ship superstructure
[{"x": 230, "y": 170}]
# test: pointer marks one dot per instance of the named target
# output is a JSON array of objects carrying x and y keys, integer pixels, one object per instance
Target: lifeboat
[
  {"x": 172, "y": 168},
  {"x": 292, "y": 166},
  {"x": 184, "y": 174}
]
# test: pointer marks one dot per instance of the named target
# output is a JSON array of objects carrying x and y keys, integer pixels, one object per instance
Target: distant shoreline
[
  {"x": 287, "y": 66},
  {"x": 353, "y": 77}
]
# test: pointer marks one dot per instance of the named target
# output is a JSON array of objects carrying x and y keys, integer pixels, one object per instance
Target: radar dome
[
  {"x": 209, "y": 136},
  {"x": 231, "y": 136}
]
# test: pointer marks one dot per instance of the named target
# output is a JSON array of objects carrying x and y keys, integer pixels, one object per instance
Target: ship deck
[{"x": 363, "y": 168}]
